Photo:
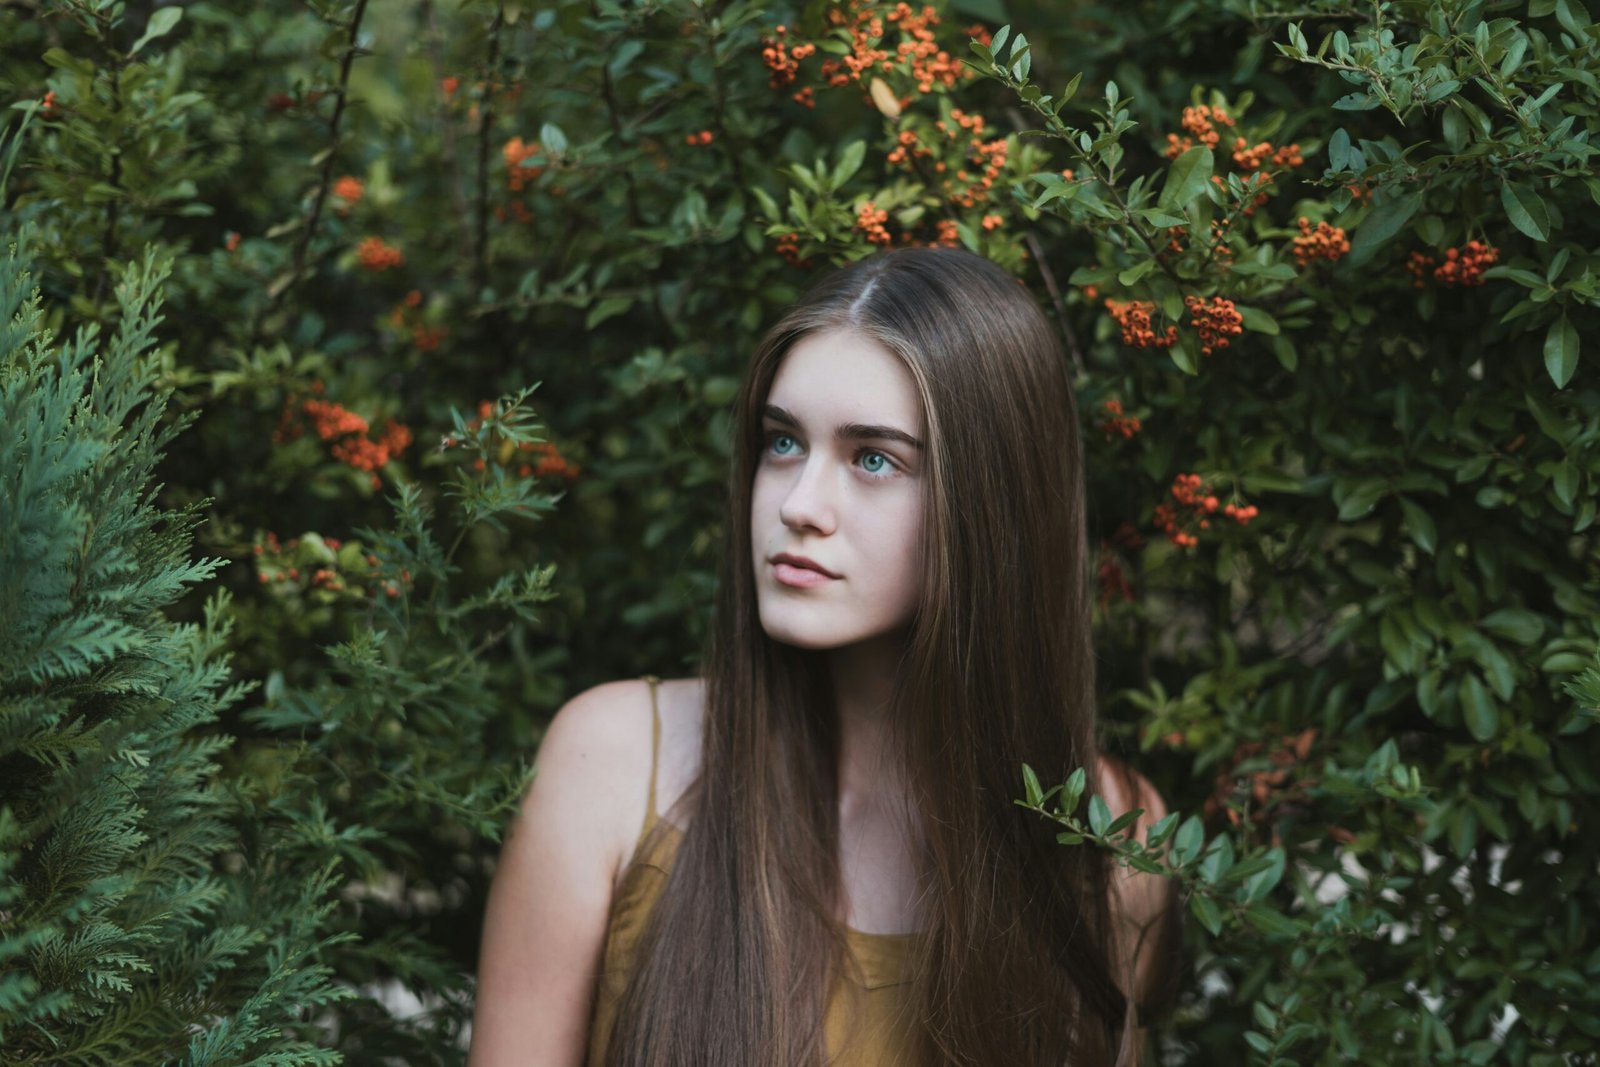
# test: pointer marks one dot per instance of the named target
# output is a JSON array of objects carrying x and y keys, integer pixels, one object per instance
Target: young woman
[{"x": 811, "y": 853}]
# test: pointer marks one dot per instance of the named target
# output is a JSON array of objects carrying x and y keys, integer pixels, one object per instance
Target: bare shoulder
[
  {"x": 545, "y": 920},
  {"x": 596, "y": 752},
  {"x": 1125, "y": 789}
]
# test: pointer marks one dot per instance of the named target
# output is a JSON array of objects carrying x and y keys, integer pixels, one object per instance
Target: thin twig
[
  {"x": 485, "y": 125},
  {"x": 275, "y": 294}
]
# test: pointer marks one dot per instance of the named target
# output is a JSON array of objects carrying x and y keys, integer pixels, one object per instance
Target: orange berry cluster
[
  {"x": 1116, "y": 423},
  {"x": 231, "y": 241},
  {"x": 377, "y": 255},
  {"x": 1325, "y": 242},
  {"x": 518, "y": 173},
  {"x": 869, "y": 220},
  {"x": 993, "y": 222},
  {"x": 1461, "y": 266},
  {"x": 1250, "y": 159},
  {"x": 348, "y": 190},
  {"x": 967, "y": 189},
  {"x": 47, "y": 105},
  {"x": 948, "y": 235},
  {"x": 1201, "y": 124},
  {"x": 1192, "y": 510},
  {"x": 784, "y": 63},
  {"x": 929, "y": 63},
  {"x": 1215, "y": 320},
  {"x": 1134, "y": 318},
  {"x": 448, "y": 86},
  {"x": 704, "y": 137},
  {"x": 1466, "y": 266},
  {"x": 347, "y": 431},
  {"x": 789, "y": 249}
]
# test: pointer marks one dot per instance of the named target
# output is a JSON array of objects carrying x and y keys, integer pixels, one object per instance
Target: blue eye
[{"x": 882, "y": 470}]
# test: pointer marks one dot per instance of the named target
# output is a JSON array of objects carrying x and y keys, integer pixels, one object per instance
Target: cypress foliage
[{"x": 124, "y": 938}]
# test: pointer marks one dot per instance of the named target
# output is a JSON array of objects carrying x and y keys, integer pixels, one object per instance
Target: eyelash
[{"x": 892, "y": 471}]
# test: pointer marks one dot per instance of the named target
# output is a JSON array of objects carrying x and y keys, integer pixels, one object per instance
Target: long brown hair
[{"x": 1015, "y": 962}]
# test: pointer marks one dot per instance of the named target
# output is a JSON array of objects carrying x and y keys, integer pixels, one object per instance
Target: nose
[{"x": 808, "y": 503}]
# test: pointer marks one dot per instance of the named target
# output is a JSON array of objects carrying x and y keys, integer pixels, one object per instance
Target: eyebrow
[{"x": 847, "y": 431}]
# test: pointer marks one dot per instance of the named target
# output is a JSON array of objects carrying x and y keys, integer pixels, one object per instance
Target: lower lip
[{"x": 799, "y": 577}]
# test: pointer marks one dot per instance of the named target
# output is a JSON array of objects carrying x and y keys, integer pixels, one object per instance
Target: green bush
[
  {"x": 1329, "y": 320},
  {"x": 127, "y": 933}
]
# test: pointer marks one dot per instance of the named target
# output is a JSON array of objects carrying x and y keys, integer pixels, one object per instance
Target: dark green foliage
[{"x": 121, "y": 940}]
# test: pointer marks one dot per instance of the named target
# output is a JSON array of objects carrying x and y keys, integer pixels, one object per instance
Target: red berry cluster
[
  {"x": 1134, "y": 318},
  {"x": 346, "y": 431},
  {"x": 1117, "y": 424},
  {"x": 1466, "y": 266},
  {"x": 377, "y": 255},
  {"x": 1192, "y": 510},
  {"x": 704, "y": 137},
  {"x": 1216, "y": 321},
  {"x": 1461, "y": 266}
]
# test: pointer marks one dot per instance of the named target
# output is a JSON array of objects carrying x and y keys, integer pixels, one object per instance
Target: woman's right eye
[{"x": 776, "y": 436}]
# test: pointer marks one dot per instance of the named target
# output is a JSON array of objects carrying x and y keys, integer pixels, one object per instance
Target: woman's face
[{"x": 840, "y": 481}]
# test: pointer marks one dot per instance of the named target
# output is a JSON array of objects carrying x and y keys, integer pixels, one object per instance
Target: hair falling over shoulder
[{"x": 1015, "y": 965}]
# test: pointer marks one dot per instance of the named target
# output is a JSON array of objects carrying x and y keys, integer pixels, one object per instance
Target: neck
[{"x": 870, "y": 776}]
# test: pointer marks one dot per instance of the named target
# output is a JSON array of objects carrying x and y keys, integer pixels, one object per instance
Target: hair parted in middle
[{"x": 1015, "y": 963}]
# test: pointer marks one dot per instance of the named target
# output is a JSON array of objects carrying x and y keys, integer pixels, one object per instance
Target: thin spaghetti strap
[{"x": 655, "y": 748}]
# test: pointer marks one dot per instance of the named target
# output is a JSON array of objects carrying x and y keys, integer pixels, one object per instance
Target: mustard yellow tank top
[{"x": 869, "y": 1023}]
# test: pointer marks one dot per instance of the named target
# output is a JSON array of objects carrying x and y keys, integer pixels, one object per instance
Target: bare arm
[
  {"x": 544, "y": 926},
  {"x": 1142, "y": 903}
]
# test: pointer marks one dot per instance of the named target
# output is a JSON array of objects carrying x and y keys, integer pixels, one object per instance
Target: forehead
[{"x": 841, "y": 375}]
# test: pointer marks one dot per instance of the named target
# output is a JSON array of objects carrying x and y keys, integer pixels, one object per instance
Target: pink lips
[{"x": 799, "y": 572}]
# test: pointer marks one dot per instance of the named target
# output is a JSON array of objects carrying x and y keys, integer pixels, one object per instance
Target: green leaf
[
  {"x": 1565, "y": 482},
  {"x": 1099, "y": 815},
  {"x": 1260, "y": 1042},
  {"x": 1514, "y": 624},
  {"x": 1526, "y": 210},
  {"x": 1188, "y": 840},
  {"x": 1205, "y": 909},
  {"x": 1187, "y": 179},
  {"x": 1184, "y": 352},
  {"x": 1030, "y": 784},
  {"x": 1381, "y": 225},
  {"x": 552, "y": 139},
  {"x": 1072, "y": 792},
  {"x": 1257, "y": 320},
  {"x": 1271, "y": 923},
  {"x": 849, "y": 162},
  {"x": 1157, "y": 217},
  {"x": 161, "y": 23},
  {"x": 1419, "y": 524},
  {"x": 1263, "y": 882},
  {"x": 1478, "y": 708},
  {"x": 1561, "y": 351},
  {"x": 1158, "y": 834}
]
